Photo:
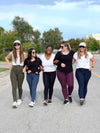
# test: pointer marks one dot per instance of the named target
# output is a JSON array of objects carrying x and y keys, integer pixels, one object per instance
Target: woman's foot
[
  {"x": 70, "y": 99},
  {"x": 14, "y": 105},
  {"x": 66, "y": 101},
  {"x": 31, "y": 104},
  {"x": 45, "y": 102},
  {"x": 19, "y": 102},
  {"x": 82, "y": 101},
  {"x": 50, "y": 101}
]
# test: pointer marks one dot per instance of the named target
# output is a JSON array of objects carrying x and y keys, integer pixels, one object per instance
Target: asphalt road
[{"x": 55, "y": 118}]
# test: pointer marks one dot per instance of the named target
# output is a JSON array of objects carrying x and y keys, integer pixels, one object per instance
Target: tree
[
  {"x": 1, "y": 31},
  {"x": 24, "y": 29},
  {"x": 52, "y": 37},
  {"x": 36, "y": 38},
  {"x": 92, "y": 44}
]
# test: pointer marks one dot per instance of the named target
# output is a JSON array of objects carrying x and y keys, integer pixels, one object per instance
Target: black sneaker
[
  {"x": 50, "y": 102},
  {"x": 70, "y": 99},
  {"x": 66, "y": 102}
]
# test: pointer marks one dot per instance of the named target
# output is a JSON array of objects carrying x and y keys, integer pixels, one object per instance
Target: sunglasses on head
[
  {"x": 81, "y": 47},
  {"x": 16, "y": 44}
]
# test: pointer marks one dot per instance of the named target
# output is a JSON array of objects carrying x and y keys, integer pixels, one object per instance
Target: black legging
[{"x": 48, "y": 80}]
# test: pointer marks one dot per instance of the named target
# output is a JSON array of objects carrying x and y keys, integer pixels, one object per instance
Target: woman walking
[
  {"x": 32, "y": 65},
  {"x": 16, "y": 75},
  {"x": 83, "y": 69},
  {"x": 49, "y": 74},
  {"x": 63, "y": 60}
]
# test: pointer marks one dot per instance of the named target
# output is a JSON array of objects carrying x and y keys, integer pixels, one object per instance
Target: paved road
[{"x": 55, "y": 118}]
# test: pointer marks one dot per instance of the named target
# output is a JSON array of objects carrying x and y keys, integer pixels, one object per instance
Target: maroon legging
[{"x": 66, "y": 80}]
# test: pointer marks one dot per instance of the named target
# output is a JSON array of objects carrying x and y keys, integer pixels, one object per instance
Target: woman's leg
[
  {"x": 87, "y": 76},
  {"x": 62, "y": 79},
  {"x": 51, "y": 83},
  {"x": 46, "y": 84},
  {"x": 80, "y": 79},
  {"x": 29, "y": 80},
  {"x": 70, "y": 82},
  {"x": 13, "y": 78},
  {"x": 35, "y": 80},
  {"x": 20, "y": 81}
]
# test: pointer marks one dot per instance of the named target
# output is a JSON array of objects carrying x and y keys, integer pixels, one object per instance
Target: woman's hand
[
  {"x": 10, "y": 66},
  {"x": 41, "y": 68},
  {"x": 56, "y": 61},
  {"x": 29, "y": 71},
  {"x": 24, "y": 70},
  {"x": 63, "y": 65},
  {"x": 90, "y": 68},
  {"x": 36, "y": 73}
]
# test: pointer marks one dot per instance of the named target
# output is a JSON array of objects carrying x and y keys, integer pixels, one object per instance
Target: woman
[
  {"x": 63, "y": 60},
  {"x": 83, "y": 69},
  {"x": 16, "y": 75},
  {"x": 49, "y": 74},
  {"x": 32, "y": 65}
]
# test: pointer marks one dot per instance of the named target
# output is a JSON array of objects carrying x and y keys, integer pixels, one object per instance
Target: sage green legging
[{"x": 17, "y": 77}]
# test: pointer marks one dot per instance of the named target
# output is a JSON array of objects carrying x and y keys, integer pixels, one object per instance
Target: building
[{"x": 96, "y": 36}]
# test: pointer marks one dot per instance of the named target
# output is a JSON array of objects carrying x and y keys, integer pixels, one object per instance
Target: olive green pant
[{"x": 17, "y": 77}]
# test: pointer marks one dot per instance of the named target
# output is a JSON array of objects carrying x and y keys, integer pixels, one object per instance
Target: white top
[
  {"x": 17, "y": 61},
  {"x": 83, "y": 62},
  {"x": 48, "y": 64}
]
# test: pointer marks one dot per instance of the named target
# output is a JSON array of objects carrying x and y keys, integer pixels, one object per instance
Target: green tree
[
  {"x": 52, "y": 37},
  {"x": 92, "y": 44},
  {"x": 24, "y": 29},
  {"x": 1, "y": 31},
  {"x": 36, "y": 38}
]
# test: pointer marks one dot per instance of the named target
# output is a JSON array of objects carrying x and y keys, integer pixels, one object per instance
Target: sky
[{"x": 74, "y": 18}]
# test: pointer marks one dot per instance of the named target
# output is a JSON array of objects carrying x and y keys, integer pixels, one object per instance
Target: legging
[
  {"x": 83, "y": 76},
  {"x": 66, "y": 80},
  {"x": 17, "y": 77},
  {"x": 48, "y": 80}
]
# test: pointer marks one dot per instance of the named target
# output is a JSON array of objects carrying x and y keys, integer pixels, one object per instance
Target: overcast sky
[{"x": 75, "y": 18}]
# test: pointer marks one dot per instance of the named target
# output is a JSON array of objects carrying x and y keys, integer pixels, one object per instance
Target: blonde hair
[
  {"x": 85, "y": 52},
  {"x": 66, "y": 44}
]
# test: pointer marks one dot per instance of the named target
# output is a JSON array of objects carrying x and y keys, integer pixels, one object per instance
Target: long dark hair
[{"x": 21, "y": 53}]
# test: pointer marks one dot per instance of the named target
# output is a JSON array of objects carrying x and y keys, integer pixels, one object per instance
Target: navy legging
[{"x": 83, "y": 76}]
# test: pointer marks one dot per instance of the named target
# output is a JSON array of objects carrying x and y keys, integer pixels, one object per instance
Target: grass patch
[{"x": 3, "y": 69}]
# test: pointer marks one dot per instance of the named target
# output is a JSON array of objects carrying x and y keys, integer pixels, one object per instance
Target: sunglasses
[
  {"x": 16, "y": 44},
  {"x": 61, "y": 47},
  {"x": 34, "y": 52},
  {"x": 81, "y": 47}
]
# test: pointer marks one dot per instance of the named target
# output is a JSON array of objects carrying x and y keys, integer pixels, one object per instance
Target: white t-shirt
[
  {"x": 17, "y": 61},
  {"x": 48, "y": 64},
  {"x": 83, "y": 62}
]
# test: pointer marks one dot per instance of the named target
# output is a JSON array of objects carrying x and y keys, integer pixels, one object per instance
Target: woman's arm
[
  {"x": 73, "y": 61},
  {"x": 7, "y": 59},
  {"x": 25, "y": 55},
  {"x": 93, "y": 63}
]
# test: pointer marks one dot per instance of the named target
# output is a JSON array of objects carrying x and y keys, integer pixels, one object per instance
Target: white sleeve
[
  {"x": 75, "y": 56},
  {"x": 90, "y": 55}
]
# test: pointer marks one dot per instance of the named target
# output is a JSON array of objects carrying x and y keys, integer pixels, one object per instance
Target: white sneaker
[
  {"x": 14, "y": 105},
  {"x": 45, "y": 102},
  {"x": 19, "y": 102},
  {"x": 31, "y": 104}
]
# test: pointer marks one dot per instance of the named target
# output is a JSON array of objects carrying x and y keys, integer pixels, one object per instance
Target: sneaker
[
  {"x": 70, "y": 99},
  {"x": 66, "y": 102},
  {"x": 14, "y": 105},
  {"x": 50, "y": 102},
  {"x": 45, "y": 102},
  {"x": 31, "y": 104},
  {"x": 19, "y": 102},
  {"x": 82, "y": 101}
]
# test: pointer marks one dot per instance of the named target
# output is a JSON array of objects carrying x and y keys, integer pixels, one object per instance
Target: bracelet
[{"x": 92, "y": 66}]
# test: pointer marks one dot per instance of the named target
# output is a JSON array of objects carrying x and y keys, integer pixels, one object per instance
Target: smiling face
[
  {"x": 49, "y": 50},
  {"x": 82, "y": 48},
  {"x": 63, "y": 47},
  {"x": 33, "y": 53},
  {"x": 17, "y": 45}
]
